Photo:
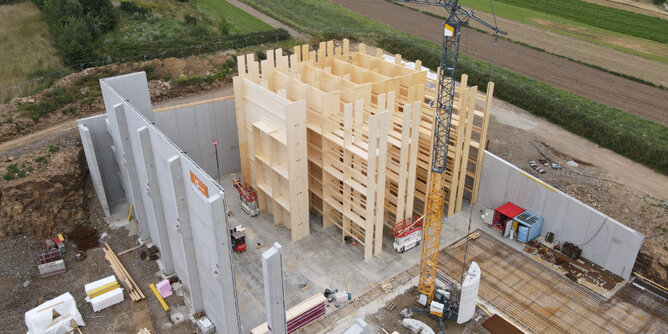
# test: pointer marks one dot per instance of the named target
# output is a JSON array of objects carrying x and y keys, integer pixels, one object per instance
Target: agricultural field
[
  {"x": 596, "y": 55},
  {"x": 648, "y": 43},
  {"x": 645, "y": 7},
  {"x": 607, "y": 18},
  {"x": 27, "y": 47},
  {"x": 629, "y": 135}
]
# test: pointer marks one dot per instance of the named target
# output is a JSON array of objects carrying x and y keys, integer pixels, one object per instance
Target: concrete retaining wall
[
  {"x": 177, "y": 204},
  {"x": 604, "y": 240}
]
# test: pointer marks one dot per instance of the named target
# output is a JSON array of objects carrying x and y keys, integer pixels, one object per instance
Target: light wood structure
[{"x": 344, "y": 133}]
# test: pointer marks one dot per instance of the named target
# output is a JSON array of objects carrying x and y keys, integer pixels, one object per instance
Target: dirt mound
[{"x": 41, "y": 193}]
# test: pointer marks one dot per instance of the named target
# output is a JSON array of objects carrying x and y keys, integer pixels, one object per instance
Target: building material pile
[
  {"x": 103, "y": 293},
  {"x": 58, "y": 315},
  {"x": 128, "y": 283},
  {"x": 300, "y": 315},
  {"x": 342, "y": 133}
]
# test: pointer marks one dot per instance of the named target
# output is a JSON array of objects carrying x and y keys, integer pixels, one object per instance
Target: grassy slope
[
  {"x": 240, "y": 21},
  {"x": 626, "y": 134},
  {"x": 165, "y": 27},
  {"x": 633, "y": 45},
  {"x": 25, "y": 44}
]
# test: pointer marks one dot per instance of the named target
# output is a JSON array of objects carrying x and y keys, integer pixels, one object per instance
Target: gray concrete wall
[
  {"x": 102, "y": 145},
  {"x": 188, "y": 227},
  {"x": 193, "y": 127},
  {"x": 604, "y": 240}
]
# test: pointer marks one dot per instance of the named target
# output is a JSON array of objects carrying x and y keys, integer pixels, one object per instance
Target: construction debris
[
  {"x": 417, "y": 326},
  {"x": 471, "y": 236},
  {"x": 128, "y": 250}
]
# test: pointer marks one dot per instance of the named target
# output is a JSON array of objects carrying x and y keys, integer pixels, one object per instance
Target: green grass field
[
  {"x": 240, "y": 21},
  {"x": 638, "y": 139},
  {"x": 612, "y": 19},
  {"x": 26, "y": 47},
  {"x": 174, "y": 24},
  {"x": 617, "y": 40}
]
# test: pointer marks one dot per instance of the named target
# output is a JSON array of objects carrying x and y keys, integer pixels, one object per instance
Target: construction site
[{"x": 332, "y": 188}]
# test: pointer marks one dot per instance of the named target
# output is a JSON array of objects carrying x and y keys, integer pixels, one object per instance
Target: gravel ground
[{"x": 18, "y": 265}]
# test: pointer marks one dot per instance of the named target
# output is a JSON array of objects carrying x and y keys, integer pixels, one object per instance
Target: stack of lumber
[{"x": 128, "y": 283}]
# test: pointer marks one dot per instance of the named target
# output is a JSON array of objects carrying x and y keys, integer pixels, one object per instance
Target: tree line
[{"x": 76, "y": 24}]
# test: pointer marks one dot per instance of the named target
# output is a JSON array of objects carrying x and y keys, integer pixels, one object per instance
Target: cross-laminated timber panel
[
  {"x": 272, "y": 142},
  {"x": 467, "y": 144},
  {"x": 328, "y": 90}
]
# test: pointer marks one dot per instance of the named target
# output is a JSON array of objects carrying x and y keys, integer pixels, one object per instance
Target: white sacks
[
  {"x": 469, "y": 295},
  {"x": 56, "y": 316}
]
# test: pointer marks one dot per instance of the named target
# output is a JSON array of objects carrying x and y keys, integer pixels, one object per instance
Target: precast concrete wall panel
[
  {"x": 184, "y": 213},
  {"x": 93, "y": 167},
  {"x": 133, "y": 88},
  {"x": 193, "y": 127},
  {"x": 604, "y": 240},
  {"x": 125, "y": 156},
  {"x": 103, "y": 143}
]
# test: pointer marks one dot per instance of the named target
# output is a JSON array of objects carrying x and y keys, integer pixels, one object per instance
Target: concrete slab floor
[{"x": 320, "y": 259}]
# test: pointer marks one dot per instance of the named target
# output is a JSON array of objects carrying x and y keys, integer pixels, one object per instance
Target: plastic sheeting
[
  {"x": 469, "y": 295},
  {"x": 56, "y": 316}
]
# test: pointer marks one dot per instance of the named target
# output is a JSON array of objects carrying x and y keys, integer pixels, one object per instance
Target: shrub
[
  {"x": 75, "y": 24},
  {"x": 8, "y": 177},
  {"x": 189, "y": 20},
  {"x": 12, "y": 169},
  {"x": 42, "y": 159},
  {"x": 21, "y": 173},
  {"x": 54, "y": 148},
  {"x": 224, "y": 26},
  {"x": 133, "y": 8}
]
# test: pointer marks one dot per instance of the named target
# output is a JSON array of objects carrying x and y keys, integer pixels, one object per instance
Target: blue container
[
  {"x": 529, "y": 226},
  {"x": 522, "y": 233}
]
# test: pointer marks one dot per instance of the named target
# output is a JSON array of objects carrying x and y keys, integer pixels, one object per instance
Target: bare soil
[
  {"x": 600, "y": 86},
  {"x": 23, "y": 289},
  {"x": 574, "y": 48}
]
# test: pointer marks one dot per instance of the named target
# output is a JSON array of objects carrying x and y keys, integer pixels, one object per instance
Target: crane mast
[{"x": 431, "y": 231}]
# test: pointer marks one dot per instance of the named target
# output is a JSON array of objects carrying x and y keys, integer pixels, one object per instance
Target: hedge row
[{"x": 631, "y": 136}]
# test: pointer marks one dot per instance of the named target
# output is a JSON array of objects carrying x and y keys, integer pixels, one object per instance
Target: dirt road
[
  {"x": 42, "y": 134},
  {"x": 612, "y": 90}
]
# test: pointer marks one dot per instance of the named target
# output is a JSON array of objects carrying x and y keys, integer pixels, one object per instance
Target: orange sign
[{"x": 198, "y": 185}]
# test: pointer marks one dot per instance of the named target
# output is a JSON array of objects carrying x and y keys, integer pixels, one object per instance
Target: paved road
[{"x": 633, "y": 97}]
